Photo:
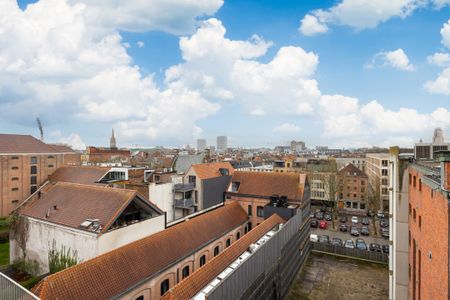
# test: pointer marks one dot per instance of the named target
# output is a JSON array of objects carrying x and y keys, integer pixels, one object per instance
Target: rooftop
[
  {"x": 18, "y": 144},
  {"x": 211, "y": 170},
  {"x": 351, "y": 170},
  {"x": 112, "y": 273},
  {"x": 78, "y": 174}
]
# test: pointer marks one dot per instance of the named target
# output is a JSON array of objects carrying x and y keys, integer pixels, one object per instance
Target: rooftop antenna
[{"x": 40, "y": 128}]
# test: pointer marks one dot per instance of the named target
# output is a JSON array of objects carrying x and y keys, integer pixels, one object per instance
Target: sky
[{"x": 343, "y": 73}]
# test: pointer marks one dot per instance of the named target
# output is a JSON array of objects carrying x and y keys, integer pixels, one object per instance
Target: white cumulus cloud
[
  {"x": 310, "y": 25},
  {"x": 396, "y": 59},
  {"x": 439, "y": 59}
]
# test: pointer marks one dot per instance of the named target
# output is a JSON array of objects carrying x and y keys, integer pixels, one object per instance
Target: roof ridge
[{"x": 91, "y": 186}]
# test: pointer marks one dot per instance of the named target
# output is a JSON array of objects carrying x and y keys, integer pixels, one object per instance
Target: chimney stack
[{"x": 444, "y": 158}]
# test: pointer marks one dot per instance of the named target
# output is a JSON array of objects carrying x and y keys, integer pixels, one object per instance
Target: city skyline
[{"x": 261, "y": 73}]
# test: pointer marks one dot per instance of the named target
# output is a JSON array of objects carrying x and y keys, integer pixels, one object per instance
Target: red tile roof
[
  {"x": 77, "y": 202},
  {"x": 211, "y": 170},
  {"x": 112, "y": 273},
  {"x": 190, "y": 286},
  {"x": 351, "y": 170},
  {"x": 16, "y": 143},
  {"x": 266, "y": 184},
  {"x": 78, "y": 174}
]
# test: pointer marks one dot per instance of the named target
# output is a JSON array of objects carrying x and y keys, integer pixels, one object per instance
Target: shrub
[
  {"x": 30, "y": 267},
  {"x": 61, "y": 259}
]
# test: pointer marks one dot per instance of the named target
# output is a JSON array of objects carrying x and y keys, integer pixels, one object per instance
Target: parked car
[
  {"x": 385, "y": 232},
  {"x": 319, "y": 215},
  {"x": 365, "y": 230},
  {"x": 313, "y": 238},
  {"x": 324, "y": 239},
  {"x": 355, "y": 220},
  {"x": 361, "y": 244},
  {"x": 375, "y": 247},
  {"x": 323, "y": 224},
  {"x": 336, "y": 242},
  {"x": 384, "y": 223},
  {"x": 314, "y": 223},
  {"x": 365, "y": 221},
  {"x": 380, "y": 214},
  {"x": 385, "y": 249},
  {"x": 328, "y": 217},
  {"x": 354, "y": 231},
  {"x": 343, "y": 228},
  {"x": 370, "y": 213},
  {"x": 343, "y": 219},
  {"x": 311, "y": 215},
  {"x": 349, "y": 244}
]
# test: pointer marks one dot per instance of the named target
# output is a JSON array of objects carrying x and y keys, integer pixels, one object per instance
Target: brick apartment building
[
  {"x": 352, "y": 188},
  {"x": 429, "y": 219},
  {"x": 25, "y": 163}
]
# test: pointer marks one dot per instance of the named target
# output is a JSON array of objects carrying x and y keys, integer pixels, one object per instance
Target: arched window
[
  {"x": 202, "y": 260},
  {"x": 140, "y": 298},
  {"x": 245, "y": 229},
  {"x": 238, "y": 235},
  {"x": 164, "y": 286},
  {"x": 228, "y": 242},
  {"x": 185, "y": 272},
  {"x": 216, "y": 250}
]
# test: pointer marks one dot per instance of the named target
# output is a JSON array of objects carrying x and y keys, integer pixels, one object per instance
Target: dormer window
[{"x": 235, "y": 186}]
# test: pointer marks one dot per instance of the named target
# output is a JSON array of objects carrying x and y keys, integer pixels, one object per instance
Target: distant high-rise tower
[
  {"x": 438, "y": 136},
  {"x": 112, "y": 141},
  {"x": 201, "y": 145},
  {"x": 222, "y": 143}
]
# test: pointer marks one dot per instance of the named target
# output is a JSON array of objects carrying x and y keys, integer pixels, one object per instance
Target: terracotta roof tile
[
  {"x": 110, "y": 274},
  {"x": 190, "y": 286},
  {"x": 211, "y": 170},
  {"x": 78, "y": 174},
  {"x": 16, "y": 143},
  {"x": 266, "y": 184},
  {"x": 77, "y": 202}
]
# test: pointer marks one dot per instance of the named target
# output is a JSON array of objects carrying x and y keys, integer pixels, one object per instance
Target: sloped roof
[
  {"x": 190, "y": 286},
  {"x": 78, "y": 174},
  {"x": 112, "y": 273},
  {"x": 351, "y": 170},
  {"x": 266, "y": 184},
  {"x": 77, "y": 202},
  {"x": 16, "y": 143},
  {"x": 184, "y": 162},
  {"x": 211, "y": 170},
  {"x": 62, "y": 148}
]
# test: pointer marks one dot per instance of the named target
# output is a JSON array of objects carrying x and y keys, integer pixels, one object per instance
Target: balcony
[
  {"x": 184, "y": 187},
  {"x": 184, "y": 203}
]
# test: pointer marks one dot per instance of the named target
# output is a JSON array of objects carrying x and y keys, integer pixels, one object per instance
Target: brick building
[
  {"x": 25, "y": 163},
  {"x": 95, "y": 155},
  {"x": 352, "y": 188},
  {"x": 377, "y": 168},
  {"x": 428, "y": 189}
]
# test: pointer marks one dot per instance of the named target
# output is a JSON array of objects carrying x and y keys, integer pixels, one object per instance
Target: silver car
[{"x": 349, "y": 244}]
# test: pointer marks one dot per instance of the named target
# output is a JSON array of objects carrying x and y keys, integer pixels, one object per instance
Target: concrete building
[
  {"x": 89, "y": 219},
  {"x": 352, "y": 189},
  {"x": 148, "y": 268},
  {"x": 222, "y": 144},
  {"x": 201, "y": 145},
  {"x": 377, "y": 169},
  {"x": 359, "y": 162},
  {"x": 25, "y": 164},
  {"x": 297, "y": 146},
  {"x": 429, "y": 236},
  {"x": 427, "y": 151}
]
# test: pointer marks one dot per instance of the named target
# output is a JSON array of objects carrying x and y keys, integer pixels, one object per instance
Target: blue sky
[{"x": 342, "y": 81}]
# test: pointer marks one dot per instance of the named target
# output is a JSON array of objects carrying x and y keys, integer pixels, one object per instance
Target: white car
[
  {"x": 355, "y": 220},
  {"x": 314, "y": 238},
  {"x": 349, "y": 244}
]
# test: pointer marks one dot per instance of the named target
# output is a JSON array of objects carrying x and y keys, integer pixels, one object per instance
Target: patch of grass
[
  {"x": 4, "y": 254},
  {"x": 30, "y": 282}
]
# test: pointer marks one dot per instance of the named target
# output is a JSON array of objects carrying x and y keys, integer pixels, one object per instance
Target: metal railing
[
  {"x": 184, "y": 187},
  {"x": 184, "y": 203},
  {"x": 349, "y": 252},
  {"x": 11, "y": 290}
]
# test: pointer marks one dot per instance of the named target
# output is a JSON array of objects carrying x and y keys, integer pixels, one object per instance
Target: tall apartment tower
[
  {"x": 201, "y": 145},
  {"x": 222, "y": 143},
  {"x": 112, "y": 141}
]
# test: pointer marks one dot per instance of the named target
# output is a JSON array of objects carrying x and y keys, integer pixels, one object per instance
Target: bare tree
[{"x": 20, "y": 232}]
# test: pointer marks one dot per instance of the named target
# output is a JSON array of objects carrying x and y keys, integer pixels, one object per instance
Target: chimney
[{"x": 444, "y": 158}]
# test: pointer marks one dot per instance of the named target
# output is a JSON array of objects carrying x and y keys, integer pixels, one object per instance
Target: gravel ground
[{"x": 327, "y": 277}]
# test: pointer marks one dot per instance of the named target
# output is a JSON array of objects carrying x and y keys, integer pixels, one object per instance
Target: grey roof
[{"x": 184, "y": 162}]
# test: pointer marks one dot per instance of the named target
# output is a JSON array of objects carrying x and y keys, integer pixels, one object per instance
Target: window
[
  {"x": 363, "y": 182},
  {"x": 384, "y": 163},
  {"x": 185, "y": 272},
  {"x": 15, "y": 201},
  {"x": 384, "y": 181},
  {"x": 245, "y": 229},
  {"x": 192, "y": 179},
  {"x": 33, "y": 180},
  {"x": 50, "y": 166},
  {"x": 216, "y": 250},
  {"x": 410, "y": 179},
  {"x": 15, "y": 178},
  {"x": 164, "y": 286},
  {"x": 249, "y": 226},
  {"x": 202, "y": 260},
  {"x": 384, "y": 172},
  {"x": 409, "y": 238},
  {"x": 362, "y": 206},
  {"x": 249, "y": 210},
  {"x": 228, "y": 243},
  {"x": 410, "y": 209},
  {"x": 235, "y": 186},
  {"x": 414, "y": 214},
  {"x": 14, "y": 157},
  {"x": 354, "y": 195},
  {"x": 420, "y": 222},
  {"x": 432, "y": 193},
  {"x": 420, "y": 185},
  {"x": 260, "y": 211},
  {"x": 15, "y": 168},
  {"x": 50, "y": 156},
  {"x": 414, "y": 181},
  {"x": 33, "y": 189},
  {"x": 15, "y": 189},
  {"x": 33, "y": 160},
  {"x": 140, "y": 298},
  {"x": 33, "y": 170},
  {"x": 238, "y": 235}
]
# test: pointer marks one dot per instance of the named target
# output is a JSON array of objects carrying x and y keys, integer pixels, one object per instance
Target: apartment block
[
  {"x": 352, "y": 189},
  {"x": 377, "y": 170},
  {"x": 25, "y": 163}
]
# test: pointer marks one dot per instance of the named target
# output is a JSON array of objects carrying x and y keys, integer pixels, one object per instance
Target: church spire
[{"x": 112, "y": 141}]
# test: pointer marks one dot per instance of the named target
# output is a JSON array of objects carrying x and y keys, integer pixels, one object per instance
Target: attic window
[{"x": 235, "y": 186}]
